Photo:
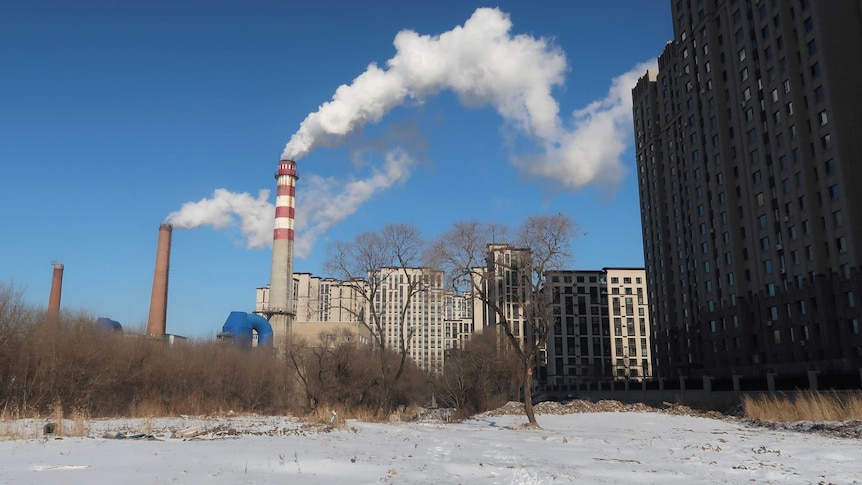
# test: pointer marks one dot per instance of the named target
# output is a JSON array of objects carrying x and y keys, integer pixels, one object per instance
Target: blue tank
[
  {"x": 241, "y": 327},
  {"x": 109, "y": 324}
]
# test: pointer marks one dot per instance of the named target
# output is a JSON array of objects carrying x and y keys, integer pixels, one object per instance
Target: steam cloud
[
  {"x": 255, "y": 217},
  {"x": 485, "y": 65},
  {"x": 480, "y": 61},
  {"x": 324, "y": 203}
]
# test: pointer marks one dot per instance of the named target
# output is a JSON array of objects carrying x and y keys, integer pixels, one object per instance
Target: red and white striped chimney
[
  {"x": 157, "y": 321},
  {"x": 56, "y": 291},
  {"x": 281, "y": 298}
]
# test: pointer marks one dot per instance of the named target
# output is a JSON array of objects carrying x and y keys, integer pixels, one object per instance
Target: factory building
[{"x": 747, "y": 143}]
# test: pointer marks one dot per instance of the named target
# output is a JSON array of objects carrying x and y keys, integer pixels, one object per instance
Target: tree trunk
[{"x": 528, "y": 397}]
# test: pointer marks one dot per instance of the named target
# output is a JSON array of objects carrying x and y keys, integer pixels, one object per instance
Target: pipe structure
[
  {"x": 282, "y": 308},
  {"x": 56, "y": 291},
  {"x": 157, "y": 321}
]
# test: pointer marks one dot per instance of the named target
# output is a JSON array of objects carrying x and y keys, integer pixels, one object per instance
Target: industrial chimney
[
  {"x": 281, "y": 308},
  {"x": 56, "y": 290},
  {"x": 156, "y": 323}
]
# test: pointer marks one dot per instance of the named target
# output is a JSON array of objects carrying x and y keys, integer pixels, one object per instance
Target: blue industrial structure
[{"x": 240, "y": 326}]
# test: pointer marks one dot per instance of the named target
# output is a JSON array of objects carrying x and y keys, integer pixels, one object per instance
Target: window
[
  {"x": 818, "y": 93},
  {"x": 823, "y": 118},
  {"x": 838, "y": 218},
  {"x": 833, "y": 192},
  {"x": 815, "y": 70},
  {"x": 741, "y": 54},
  {"x": 841, "y": 244}
]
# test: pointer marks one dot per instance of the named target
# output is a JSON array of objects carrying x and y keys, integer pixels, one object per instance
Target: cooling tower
[
  {"x": 281, "y": 308},
  {"x": 56, "y": 290},
  {"x": 156, "y": 323}
]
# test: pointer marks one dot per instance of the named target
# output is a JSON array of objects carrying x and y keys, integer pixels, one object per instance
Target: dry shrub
[
  {"x": 59, "y": 418},
  {"x": 807, "y": 406},
  {"x": 323, "y": 415},
  {"x": 74, "y": 368},
  {"x": 80, "y": 423}
]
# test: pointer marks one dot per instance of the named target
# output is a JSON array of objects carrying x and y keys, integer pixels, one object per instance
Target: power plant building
[{"x": 747, "y": 145}]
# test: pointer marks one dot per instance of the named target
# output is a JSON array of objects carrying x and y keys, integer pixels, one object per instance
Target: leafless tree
[
  {"x": 370, "y": 264},
  {"x": 471, "y": 254},
  {"x": 478, "y": 376}
]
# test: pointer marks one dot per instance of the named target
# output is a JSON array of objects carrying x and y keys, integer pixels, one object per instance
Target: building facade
[
  {"x": 434, "y": 320},
  {"x": 602, "y": 328},
  {"x": 747, "y": 146}
]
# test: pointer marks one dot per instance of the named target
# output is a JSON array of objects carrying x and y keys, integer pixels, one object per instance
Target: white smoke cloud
[
  {"x": 480, "y": 61},
  {"x": 484, "y": 65},
  {"x": 255, "y": 217},
  {"x": 322, "y": 203},
  {"x": 591, "y": 151}
]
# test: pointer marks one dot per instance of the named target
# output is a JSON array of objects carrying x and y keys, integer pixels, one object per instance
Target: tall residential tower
[{"x": 747, "y": 141}]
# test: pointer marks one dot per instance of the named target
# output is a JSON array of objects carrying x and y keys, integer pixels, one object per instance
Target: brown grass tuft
[
  {"x": 808, "y": 406},
  {"x": 80, "y": 423}
]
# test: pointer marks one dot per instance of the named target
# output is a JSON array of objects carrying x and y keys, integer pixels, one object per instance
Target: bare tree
[
  {"x": 371, "y": 265},
  {"x": 510, "y": 280},
  {"x": 478, "y": 376}
]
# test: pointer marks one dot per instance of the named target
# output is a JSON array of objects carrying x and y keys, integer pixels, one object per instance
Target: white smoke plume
[
  {"x": 480, "y": 61},
  {"x": 485, "y": 65},
  {"x": 255, "y": 217},
  {"x": 591, "y": 151},
  {"x": 322, "y": 203}
]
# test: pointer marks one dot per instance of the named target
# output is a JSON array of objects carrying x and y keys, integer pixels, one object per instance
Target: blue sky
[{"x": 113, "y": 115}]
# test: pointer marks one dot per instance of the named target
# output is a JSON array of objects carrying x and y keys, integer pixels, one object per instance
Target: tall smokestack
[
  {"x": 56, "y": 290},
  {"x": 156, "y": 323},
  {"x": 281, "y": 298}
]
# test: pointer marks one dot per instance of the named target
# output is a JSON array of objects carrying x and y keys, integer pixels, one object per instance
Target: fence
[{"x": 705, "y": 392}]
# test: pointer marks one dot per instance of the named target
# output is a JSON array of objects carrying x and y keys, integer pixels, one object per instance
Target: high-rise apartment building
[
  {"x": 433, "y": 320},
  {"x": 418, "y": 321},
  {"x": 747, "y": 143},
  {"x": 602, "y": 327}
]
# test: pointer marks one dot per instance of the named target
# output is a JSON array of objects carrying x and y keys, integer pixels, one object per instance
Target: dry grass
[
  {"x": 323, "y": 415},
  {"x": 70, "y": 371},
  {"x": 80, "y": 423},
  {"x": 808, "y": 406},
  {"x": 58, "y": 418}
]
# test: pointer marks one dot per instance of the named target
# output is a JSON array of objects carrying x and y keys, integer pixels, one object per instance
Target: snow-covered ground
[{"x": 606, "y": 447}]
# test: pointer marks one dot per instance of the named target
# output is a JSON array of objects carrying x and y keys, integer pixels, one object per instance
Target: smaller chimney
[
  {"x": 56, "y": 290},
  {"x": 156, "y": 323}
]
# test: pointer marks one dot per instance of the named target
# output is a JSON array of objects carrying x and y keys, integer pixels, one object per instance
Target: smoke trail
[
  {"x": 485, "y": 65},
  {"x": 591, "y": 152},
  {"x": 255, "y": 216},
  {"x": 322, "y": 203},
  {"x": 480, "y": 61}
]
